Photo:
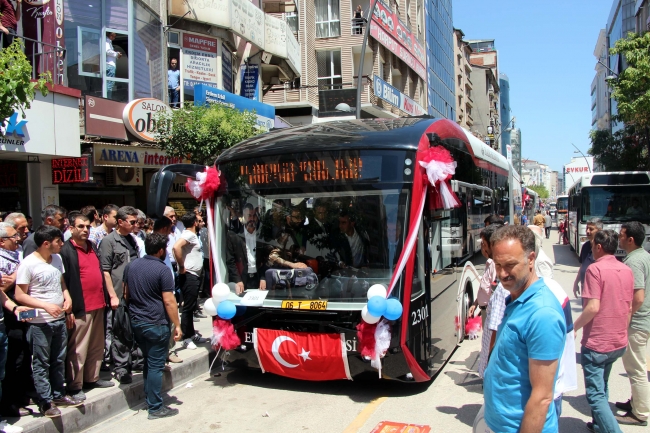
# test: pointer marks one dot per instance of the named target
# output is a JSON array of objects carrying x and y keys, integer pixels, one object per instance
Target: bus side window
[{"x": 421, "y": 258}]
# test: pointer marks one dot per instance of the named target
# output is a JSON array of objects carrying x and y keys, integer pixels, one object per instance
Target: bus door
[{"x": 465, "y": 197}]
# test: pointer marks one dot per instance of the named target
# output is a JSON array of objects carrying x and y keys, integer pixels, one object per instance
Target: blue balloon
[
  {"x": 226, "y": 310},
  {"x": 377, "y": 306},
  {"x": 393, "y": 309},
  {"x": 241, "y": 309}
]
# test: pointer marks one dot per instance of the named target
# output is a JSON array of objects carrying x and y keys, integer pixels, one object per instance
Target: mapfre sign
[{"x": 140, "y": 117}]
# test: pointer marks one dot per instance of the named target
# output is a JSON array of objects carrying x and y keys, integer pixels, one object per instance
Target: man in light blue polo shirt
[{"x": 522, "y": 369}]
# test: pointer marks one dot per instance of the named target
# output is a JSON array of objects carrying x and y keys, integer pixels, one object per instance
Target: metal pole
[
  {"x": 583, "y": 155},
  {"x": 363, "y": 56}
]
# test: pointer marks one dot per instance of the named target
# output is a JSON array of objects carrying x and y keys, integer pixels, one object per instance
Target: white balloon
[
  {"x": 377, "y": 290},
  {"x": 210, "y": 308},
  {"x": 220, "y": 292},
  {"x": 367, "y": 317}
]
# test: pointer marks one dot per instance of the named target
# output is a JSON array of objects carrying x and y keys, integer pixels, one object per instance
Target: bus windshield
[
  {"x": 562, "y": 203},
  {"x": 341, "y": 235},
  {"x": 616, "y": 203}
]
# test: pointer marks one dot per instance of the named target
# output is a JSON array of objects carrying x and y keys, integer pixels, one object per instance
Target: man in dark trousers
[
  {"x": 85, "y": 281},
  {"x": 149, "y": 291}
]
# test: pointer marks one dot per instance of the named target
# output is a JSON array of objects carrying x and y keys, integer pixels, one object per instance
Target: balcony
[
  {"x": 43, "y": 57},
  {"x": 358, "y": 26},
  {"x": 470, "y": 101}
]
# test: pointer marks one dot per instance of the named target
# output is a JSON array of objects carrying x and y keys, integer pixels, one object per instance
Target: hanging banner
[
  {"x": 249, "y": 77},
  {"x": 247, "y": 21},
  {"x": 265, "y": 113},
  {"x": 199, "y": 61},
  {"x": 42, "y": 20}
]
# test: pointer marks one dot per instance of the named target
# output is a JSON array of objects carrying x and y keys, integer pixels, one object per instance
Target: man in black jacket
[{"x": 85, "y": 281}]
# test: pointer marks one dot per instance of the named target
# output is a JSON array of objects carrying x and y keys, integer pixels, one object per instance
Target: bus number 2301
[{"x": 420, "y": 314}]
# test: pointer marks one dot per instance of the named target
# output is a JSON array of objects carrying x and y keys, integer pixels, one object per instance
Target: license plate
[{"x": 305, "y": 305}]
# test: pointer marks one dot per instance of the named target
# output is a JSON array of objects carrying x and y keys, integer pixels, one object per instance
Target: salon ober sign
[{"x": 140, "y": 117}]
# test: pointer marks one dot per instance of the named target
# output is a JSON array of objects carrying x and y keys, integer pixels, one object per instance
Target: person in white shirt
[
  {"x": 40, "y": 285},
  {"x": 189, "y": 260},
  {"x": 111, "y": 57},
  {"x": 543, "y": 263}
]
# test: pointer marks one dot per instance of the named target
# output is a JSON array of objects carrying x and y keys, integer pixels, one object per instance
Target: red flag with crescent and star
[{"x": 302, "y": 355}]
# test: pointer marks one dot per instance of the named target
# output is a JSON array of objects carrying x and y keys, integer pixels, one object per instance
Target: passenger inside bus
[{"x": 635, "y": 209}]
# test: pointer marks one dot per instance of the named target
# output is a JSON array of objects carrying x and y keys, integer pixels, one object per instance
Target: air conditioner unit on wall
[{"x": 131, "y": 176}]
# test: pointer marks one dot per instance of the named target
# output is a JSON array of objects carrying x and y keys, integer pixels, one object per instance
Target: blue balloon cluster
[
  {"x": 390, "y": 308},
  {"x": 226, "y": 310}
]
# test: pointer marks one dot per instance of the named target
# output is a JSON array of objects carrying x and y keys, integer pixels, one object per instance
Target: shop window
[
  {"x": 329, "y": 69},
  {"x": 328, "y": 24}
]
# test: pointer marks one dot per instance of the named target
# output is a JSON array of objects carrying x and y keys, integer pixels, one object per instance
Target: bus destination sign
[{"x": 338, "y": 169}]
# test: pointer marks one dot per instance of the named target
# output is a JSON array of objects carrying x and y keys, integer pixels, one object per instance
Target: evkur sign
[{"x": 139, "y": 117}]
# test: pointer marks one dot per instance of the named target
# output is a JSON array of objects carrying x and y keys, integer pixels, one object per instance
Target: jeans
[
  {"x": 110, "y": 72},
  {"x": 153, "y": 340},
  {"x": 174, "y": 97},
  {"x": 4, "y": 345},
  {"x": 558, "y": 407},
  {"x": 596, "y": 367},
  {"x": 48, "y": 342},
  {"x": 548, "y": 231},
  {"x": 18, "y": 369},
  {"x": 190, "y": 289}
]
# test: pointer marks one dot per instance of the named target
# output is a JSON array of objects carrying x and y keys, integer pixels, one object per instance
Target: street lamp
[
  {"x": 609, "y": 77},
  {"x": 583, "y": 155}
]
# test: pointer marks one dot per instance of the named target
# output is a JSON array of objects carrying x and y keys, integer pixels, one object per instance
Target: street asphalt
[{"x": 255, "y": 402}]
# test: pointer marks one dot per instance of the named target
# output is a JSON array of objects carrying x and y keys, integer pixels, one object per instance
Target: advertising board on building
[
  {"x": 247, "y": 21},
  {"x": 42, "y": 20},
  {"x": 72, "y": 170},
  {"x": 390, "y": 94},
  {"x": 132, "y": 156},
  {"x": 275, "y": 39},
  {"x": 103, "y": 118},
  {"x": 329, "y": 99},
  {"x": 294, "y": 56},
  {"x": 213, "y": 12},
  {"x": 139, "y": 117},
  {"x": 199, "y": 61},
  {"x": 249, "y": 79},
  {"x": 395, "y": 35},
  {"x": 265, "y": 113},
  {"x": 226, "y": 68}
]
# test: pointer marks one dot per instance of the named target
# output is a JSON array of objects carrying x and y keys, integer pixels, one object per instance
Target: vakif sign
[
  {"x": 139, "y": 117},
  {"x": 390, "y": 94}
]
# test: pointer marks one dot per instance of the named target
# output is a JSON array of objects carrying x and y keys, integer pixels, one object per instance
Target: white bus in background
[
  {"x": 615, "y": 198},
  {"x": 562, "y": 206}
]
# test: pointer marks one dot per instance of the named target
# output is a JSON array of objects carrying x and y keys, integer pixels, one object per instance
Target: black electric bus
[{"x": 340, "y": 197}]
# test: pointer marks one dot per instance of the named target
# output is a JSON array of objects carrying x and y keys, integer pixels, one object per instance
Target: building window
[
  {"x": 329, "y": 69},
  {"x": 328, "y": 24},
  {"x": 292, "y": 20}
]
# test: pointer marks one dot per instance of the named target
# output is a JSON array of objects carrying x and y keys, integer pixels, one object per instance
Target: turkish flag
[{"x": 302, "y": 355}]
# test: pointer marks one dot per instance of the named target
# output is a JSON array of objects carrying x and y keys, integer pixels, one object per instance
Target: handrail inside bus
[{"x": 161, "y": 184}]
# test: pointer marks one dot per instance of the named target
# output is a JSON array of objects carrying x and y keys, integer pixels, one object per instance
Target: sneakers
[
  {"x": 198, "y": 339},
  {"x": 67, "y": 401},
  {"x": 99, "y": 384},
  {"x": 49, "y": 410},
  {"x": 190, "y": 343},
  {"x": 164, "y": 412},
  {"x": 77, "y": 394},
  {"x": 199, "y": 315},
  {"x": 173, "y": 357},
  {"x": 626, "y": 406},
  {"x": 630, "y": 419}
]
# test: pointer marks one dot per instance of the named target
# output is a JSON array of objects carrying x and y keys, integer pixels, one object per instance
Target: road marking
[{"x": 367, "y": 411}]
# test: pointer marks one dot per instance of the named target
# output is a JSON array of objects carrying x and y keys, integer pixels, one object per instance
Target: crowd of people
[
  {"x": 527, "y": 358},
  {"x": 95, "y": 290}
]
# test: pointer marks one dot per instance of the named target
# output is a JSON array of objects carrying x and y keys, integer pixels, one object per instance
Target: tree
[
  {"x": 540, "y": 190},
  {"x": 17, "y": 90},
  {"x": 202, "y": 132},
  {"x": 628, "y": 148}
]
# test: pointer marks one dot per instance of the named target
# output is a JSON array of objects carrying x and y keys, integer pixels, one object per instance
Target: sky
[{"x": 545, "y": 47}]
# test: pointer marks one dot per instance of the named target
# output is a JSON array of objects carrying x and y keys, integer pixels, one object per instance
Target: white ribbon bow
[{"x": 437, "y": 172}]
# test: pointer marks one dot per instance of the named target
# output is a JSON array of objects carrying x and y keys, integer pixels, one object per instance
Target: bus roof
[
  {"x": 613, "y": 178},
  {"x": 401, "y": 133}
]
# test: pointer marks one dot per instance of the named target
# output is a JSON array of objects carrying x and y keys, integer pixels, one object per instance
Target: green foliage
[
  {"x": 631, "y": 89},
  {"x": 17, "y": 91},
  {"x": 539, "y": 189},
  {"x": 202, "y": 132},
  {"x": 621, "y": 151}
]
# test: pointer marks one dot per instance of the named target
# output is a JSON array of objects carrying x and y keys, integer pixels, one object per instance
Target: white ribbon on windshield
[
  {"x": 212, "y": 236},
  {"x": 437, "y": 172}
]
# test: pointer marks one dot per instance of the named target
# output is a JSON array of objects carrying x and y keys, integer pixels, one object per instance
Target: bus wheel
[{"x": 467, "y": 301}]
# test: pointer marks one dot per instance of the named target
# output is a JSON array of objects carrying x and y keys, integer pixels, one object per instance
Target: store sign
[
  {"x": 400, "y": 51},
  {"x": 132, "y": 156},
  {"x": 199, "y": 61},
  {"x": 213, "y": 12},
  {"x": 226, "y": 68},
  {"x": 247, "y": 21},
  {"x": 71, "y": 170},
  {"x": 139, "y": 117},
  {"x": 14, "y": 131},
  {"x": 249, "y": 77},
  {"x": 265, "y": 113},
  {"x": 390, "y": 94},
  {"x": 276, "y": 36},
  {"x": 104, "y": 118},
  {"x": 400, "y": 36},
  {"x": 294, "y": 57}
]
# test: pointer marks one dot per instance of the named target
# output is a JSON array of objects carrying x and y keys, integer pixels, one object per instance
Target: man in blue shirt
[
  {"x": 174, "y": 83},
  {"x": 522, "y": 369}
]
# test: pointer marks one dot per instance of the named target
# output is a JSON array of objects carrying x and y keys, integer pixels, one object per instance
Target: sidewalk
[{"x": 102, "y": 404}]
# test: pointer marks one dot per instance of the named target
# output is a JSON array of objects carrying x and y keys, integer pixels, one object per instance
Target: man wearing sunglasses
[
  {"x": 116, "y": 250},
  {"x": 85, "y": 281}
]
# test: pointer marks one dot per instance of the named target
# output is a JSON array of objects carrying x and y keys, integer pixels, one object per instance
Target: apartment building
[
  {"x": 507, "y": 121},
  {"x": 439, "y": 38},
  {"x": 463, "y": 85},
  {"x": 484, "y": 76},
  {"x": 600, "y": 95},
  {"x": 331, "y": 36}
]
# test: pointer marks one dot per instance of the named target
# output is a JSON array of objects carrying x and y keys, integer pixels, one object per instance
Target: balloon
[
  {"x": 220, "y": 292},
  {"x": 367, "y": 317},
  {"x": 209, "y": 307},
  {"x": 226, "y": 310},
  {"x": 377, "y": 290},
  {"x": 377, "y": 306},
  {"x": 393, "y": 309},
  {"x": 241, "y": 309}
]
